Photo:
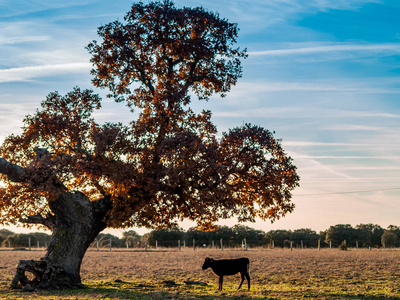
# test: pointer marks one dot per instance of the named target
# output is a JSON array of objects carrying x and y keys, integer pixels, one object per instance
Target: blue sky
[{"x": 324, "y": 75}]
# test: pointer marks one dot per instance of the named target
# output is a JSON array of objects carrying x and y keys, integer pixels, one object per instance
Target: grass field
[{"x": 275, "y": 274}]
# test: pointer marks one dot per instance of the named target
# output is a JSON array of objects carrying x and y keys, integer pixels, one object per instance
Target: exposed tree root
[{"x": 45, "y": 276}]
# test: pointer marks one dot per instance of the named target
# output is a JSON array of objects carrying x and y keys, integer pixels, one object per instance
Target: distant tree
[
  {"x": 369, "y": 235},
  {"x": 253, "y": 237},
  {"x": 321, "y": 237},
  {"x": 166, "y": 237},
  {"x": 278, "y": 236},
  {"x": 389, "y": 239},
  {"x": 22, "y": 239},
  {"x": 338, "y": 233},
  {"x": 226, "y": 234},
  {"x": 42, "y": 238},
  {"x": 201, "y": 237},
  {"x": 104, "y": 240},
  {"x": 131, "y": 238},
  {"x": 308, "y": 236},
  {"x": 396, "y": 230},
  {"x": 4, "y": 233},
  {"x": 76, "y": 177}
]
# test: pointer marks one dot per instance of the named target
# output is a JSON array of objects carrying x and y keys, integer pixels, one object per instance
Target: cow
[{"x": 224, "y": 267}]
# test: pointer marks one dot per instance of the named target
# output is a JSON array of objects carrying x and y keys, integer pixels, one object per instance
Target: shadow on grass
[{"x": 150, "y": 291}]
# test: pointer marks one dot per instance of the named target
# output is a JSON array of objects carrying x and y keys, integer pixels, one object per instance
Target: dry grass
[{"x": 275, "y": 274}]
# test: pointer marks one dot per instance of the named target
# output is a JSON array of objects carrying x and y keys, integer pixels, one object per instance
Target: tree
[
  {"x": 369, "y": 235},
  {"x": 395, "y": 229},
  {"x": 22, "y": 239},
  {"x": 4, "y": 234},
  {"x": 131, "y": 238},
  {"x": 201, "y": 237},
  {"x": 225, "y": 233},
  {"x": 308, "y": 236},
  {"x": 253, "y": 237},
  {"x": 278, "y": 236},
  {"x": 77, "y": 177},
  {"x": 166, "y": 237},
  {"x": 389, "y": 238},
  {"x": 338, "y": 233},
  {"x": 105, "y": 239}
]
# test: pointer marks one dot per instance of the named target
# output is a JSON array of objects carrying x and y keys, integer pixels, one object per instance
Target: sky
[{"x": 324, "y": 75}]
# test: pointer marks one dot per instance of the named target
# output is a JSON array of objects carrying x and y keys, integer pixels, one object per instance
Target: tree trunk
[{"x": 75, "y": 224}]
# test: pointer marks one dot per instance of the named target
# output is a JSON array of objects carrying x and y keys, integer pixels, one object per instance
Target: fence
[
  {"x": 29, "y": 245},
  {"x": 195, "y": 245},
  {"x": 244, "y": 245}
]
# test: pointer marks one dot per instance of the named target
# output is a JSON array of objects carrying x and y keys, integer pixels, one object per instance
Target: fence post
[
  {"x": 330, "y": 244},
  {"x": 9, "y": 244},
  {"x": 222, "y": 244},
  {"x": 194, "y": 244},
  {"x": 319, "y": 244},
  {"x": 179, "y": 245},
  {"x": 245, "y": 243},
  {"x": 356, "y": 244},
  {"x": 273, "y": 244},
  {"x": 301, "y": 244},
  {"x": 156, "y": 244},
  {"x": 98, "y": 245},
  {"x": 291, "y": 245},
  {"x": 212, "y": 244},
  {"x": 29, "y": 239},
  {"x": 184, "y": 244},
  {"x": 110, "y": 244},
  {"x": 145, "y": 246},
  {"x": 38, "y": 244}
]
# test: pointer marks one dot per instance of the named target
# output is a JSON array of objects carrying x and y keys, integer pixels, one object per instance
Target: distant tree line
[{"x": 363, "y": 236}]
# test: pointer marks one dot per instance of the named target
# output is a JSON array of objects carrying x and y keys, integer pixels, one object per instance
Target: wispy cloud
[
  {"x": 370, "y": 48},
  {"x": 23, "y": 39},
  {"x": 30, "y": 73},
  {"x": 19, "y": 7},
  {"x": 358, "y": 128},
  {"x": 259, "y": 14}
]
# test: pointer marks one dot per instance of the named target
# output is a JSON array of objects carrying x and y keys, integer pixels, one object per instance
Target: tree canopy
[{"x": 168, "y": 164}]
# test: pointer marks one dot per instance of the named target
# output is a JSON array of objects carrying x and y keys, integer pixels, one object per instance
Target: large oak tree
[{"x": 77, "y": 177}]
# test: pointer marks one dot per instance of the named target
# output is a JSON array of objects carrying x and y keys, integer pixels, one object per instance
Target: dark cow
[{"x": 224, "y": 267}]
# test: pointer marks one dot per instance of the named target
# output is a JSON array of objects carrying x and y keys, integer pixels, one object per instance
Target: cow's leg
[
  {"x": 221, "y": 279},
  {"x": 240, "y": 285},
  {"x": 248, "y": 279}
]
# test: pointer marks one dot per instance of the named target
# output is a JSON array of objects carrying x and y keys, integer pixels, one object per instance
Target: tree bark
[{"x": 75, "y": 224}]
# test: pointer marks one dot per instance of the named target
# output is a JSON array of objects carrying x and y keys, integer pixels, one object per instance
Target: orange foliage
[{"x": 168, "y": 164}]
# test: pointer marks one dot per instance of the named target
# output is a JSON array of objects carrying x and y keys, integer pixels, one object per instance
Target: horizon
[
  {"x": 119, "y": 232},
  {"x": 323, "y": 76}
]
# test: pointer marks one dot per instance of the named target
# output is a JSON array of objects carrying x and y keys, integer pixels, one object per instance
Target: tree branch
[
  {"x": 14, "y": 172},
  {"x": 39, "y": 219}
]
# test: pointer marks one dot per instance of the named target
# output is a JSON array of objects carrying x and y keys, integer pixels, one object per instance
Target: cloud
[
  {"x": 11, "y": 8},
  {"x": 30, "y": 73},
  {"x": 259, "y": 14},
  {"x": 23, "y": 39},
  {"x": 366, "y": 49},
  {"x": 352, "y": 127}
]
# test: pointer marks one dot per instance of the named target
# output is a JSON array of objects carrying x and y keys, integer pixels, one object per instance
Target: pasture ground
[{"x": 275, "y": 274}]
